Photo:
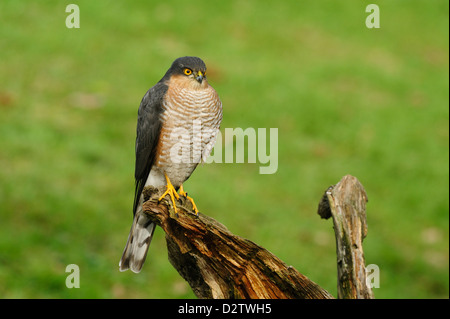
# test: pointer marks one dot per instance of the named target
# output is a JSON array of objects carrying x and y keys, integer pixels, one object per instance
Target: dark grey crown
[{"x": 192, "y": 62}]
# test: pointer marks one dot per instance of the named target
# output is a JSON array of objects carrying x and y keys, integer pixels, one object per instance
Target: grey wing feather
[{"x": 147, "y": 136}]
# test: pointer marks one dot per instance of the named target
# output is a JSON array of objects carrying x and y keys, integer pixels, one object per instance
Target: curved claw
[
  {"x": 170, "y": 190},
  {"x": 183, "y": 193}
]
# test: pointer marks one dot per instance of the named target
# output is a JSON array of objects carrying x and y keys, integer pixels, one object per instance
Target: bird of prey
[{"x": 178, "y": 122}]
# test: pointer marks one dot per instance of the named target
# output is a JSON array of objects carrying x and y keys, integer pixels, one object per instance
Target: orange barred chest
[{"x": 191, "y": 120}]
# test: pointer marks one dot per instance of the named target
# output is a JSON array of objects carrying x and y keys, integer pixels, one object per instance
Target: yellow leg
[
  {"x": 183, "y": 193},
  {"x": 170, "y": 190}
]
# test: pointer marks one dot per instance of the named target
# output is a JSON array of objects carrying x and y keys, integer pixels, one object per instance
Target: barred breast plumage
[{"x": 191, "y": 117}]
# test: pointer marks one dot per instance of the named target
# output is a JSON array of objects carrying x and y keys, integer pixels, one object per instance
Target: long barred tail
[{"x": 139, "y": 239}]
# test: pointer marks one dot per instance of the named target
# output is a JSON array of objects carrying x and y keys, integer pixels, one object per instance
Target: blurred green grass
[{"x": 345, "y": 99}]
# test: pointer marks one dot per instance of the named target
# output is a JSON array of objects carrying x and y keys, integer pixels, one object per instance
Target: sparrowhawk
[{"x": 178, "y": 122}]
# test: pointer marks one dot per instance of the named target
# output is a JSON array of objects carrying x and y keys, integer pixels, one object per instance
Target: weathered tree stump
[
  {"x": 219, "y": 264},
  {"x": 346, "y": 204}
]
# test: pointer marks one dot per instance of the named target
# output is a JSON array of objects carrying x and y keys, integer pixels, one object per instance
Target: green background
[{"x": 346, "y": 99}]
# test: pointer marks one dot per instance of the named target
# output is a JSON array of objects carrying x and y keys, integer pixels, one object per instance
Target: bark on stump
[
  {"x": 346, "y": 204},
  {"x": 219, "y": 264}
]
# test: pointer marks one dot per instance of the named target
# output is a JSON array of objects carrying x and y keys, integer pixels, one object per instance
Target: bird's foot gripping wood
[
  {"x": 171, "y": 191},
  {"x": 185, "y": 195}
]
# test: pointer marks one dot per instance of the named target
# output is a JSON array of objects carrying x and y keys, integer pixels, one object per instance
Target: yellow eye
[{"x": 187, "y": 71}]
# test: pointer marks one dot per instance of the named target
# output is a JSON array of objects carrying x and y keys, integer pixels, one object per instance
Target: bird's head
[{"x": 190, "y": 69}]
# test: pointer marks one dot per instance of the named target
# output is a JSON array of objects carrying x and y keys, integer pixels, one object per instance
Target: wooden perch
[
  {"x": 346, "y": 204},
  {"x": 219, "y": 264}
]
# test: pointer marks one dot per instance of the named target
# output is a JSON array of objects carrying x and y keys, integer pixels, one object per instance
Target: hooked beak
[{"x": 200, "y": 76}]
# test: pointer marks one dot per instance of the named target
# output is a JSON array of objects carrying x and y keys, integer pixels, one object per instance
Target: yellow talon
[
  {"x": 183, "y": 193},
  {"x": 170, "y": 190}
]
